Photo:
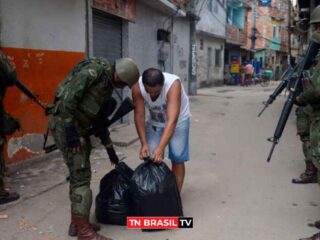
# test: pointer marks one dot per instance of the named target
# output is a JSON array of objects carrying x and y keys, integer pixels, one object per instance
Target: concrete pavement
[{"x": 230, "y": 190}]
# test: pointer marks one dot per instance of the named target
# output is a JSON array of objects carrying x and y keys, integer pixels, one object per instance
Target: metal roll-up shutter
[
  {"x": 107, "y": 42},
  {"x": 107, "y": 36}
]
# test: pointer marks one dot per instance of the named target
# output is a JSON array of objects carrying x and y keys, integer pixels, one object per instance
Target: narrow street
[{"x": 230, "y": 190}]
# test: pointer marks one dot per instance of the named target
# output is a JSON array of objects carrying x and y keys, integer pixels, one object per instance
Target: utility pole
[
  {"x": 254, "y": 32},
  {"x": 191, "y": 13},
  {"x": 289, "y": 31}
]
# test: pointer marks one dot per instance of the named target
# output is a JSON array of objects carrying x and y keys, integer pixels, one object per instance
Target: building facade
[
  {"x": 211, "y": 33},
  {"x": 268, "y": 22},
  {"x": 237, "y": 51}
]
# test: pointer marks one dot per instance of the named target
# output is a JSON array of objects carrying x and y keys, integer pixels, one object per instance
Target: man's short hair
[{"x": 152, "y": 77}]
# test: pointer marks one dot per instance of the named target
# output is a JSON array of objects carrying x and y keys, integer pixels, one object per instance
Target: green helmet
[
  {"x": 315, "y": 15},
  {"x": 127, "y": 71}
]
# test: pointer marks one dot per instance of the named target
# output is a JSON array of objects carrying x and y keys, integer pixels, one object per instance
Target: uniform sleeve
[
  {"x": 311, "y": 93},
  {"x": 75, "y": 92}
]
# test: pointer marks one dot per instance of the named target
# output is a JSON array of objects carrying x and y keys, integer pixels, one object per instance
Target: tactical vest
[{"x": 99, "y": 91}]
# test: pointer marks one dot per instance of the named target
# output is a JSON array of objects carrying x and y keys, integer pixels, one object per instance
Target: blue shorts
[{"x": 178, "y": 144}]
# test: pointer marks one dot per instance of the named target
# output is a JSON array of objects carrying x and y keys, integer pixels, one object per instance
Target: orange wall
[{"x": 40, "y": 71}]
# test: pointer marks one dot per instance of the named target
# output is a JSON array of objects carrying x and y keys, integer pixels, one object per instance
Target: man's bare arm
[{"x": 139, "y": 118}]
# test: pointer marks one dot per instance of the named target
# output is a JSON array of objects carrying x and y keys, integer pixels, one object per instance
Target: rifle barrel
[
  {"x": 28, "y": 93},
  {"x": 271, "y": 151},
  {"x": 264, "y": 108}
]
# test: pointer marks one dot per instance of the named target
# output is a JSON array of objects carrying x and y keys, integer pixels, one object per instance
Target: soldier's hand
[
  {"x": 112, "y": 155},
  {"x": 72, "y": 141}
]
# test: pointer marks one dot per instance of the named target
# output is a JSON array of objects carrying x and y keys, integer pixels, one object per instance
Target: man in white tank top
[{"x": 168, "y": 123}]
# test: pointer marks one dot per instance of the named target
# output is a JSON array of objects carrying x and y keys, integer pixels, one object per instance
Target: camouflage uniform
[
  {"x": 8, "y": 124},
  {"x": 311, "y": 95},
  {"x": 83, "y": 101},
  {"x": 303, "y": 115},
  {"x": 78, "y": 102},
  {"x": 303, "y": 129}
]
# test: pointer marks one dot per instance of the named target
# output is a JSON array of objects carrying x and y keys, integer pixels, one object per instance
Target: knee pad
[{"x": 81, "y": 200}]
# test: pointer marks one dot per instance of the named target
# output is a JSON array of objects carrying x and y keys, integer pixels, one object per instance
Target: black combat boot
[
  {"x": 7, "y": 195},
  {"x": 309, "y": 176},
  {"x": 314, "y": 237}
]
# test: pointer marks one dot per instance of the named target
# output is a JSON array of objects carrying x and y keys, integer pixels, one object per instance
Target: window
[
  {"x": 218, "y": 58},
  {"x": 216, "y": 6},
  {"x": 213, "y": 5},
  {"x": 209, "y": 5},
  {"x": 201, "y": 43},
  {"x": 275, "y": 31}
]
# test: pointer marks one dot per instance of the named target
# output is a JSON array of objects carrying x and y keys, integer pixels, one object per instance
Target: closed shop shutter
[
  {"x": 107, "y": 41},
  {"x": 107, "y": 36}
]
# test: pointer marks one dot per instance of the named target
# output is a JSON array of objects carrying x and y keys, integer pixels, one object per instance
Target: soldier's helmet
[
  {"x": 315, "y": 15},
  {"x": 127, "y": 71}
]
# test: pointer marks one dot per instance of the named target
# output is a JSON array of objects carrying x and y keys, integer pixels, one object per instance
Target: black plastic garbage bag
[
  {"x": 114, "y": 202},
  {"x": 154, "y": 191}
]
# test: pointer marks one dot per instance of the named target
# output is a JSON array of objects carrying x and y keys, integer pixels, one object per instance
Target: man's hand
[
  {"x": 112, "y": 155},
  {"x": 157, "y": 155},
  {"x": 72, "y": 143},
  {"x": 144, "y": 151}
]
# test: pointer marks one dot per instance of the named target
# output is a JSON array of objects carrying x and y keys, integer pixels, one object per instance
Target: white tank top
[{"x": 157, "y": 109}]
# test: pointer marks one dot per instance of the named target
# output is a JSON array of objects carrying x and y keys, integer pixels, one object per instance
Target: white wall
[
  {"x": 143, "y": 46},
  {"x": 211, "y": 21},
  {"x": 43, "y": 24},
  {"x": 216, "y": 73},
  {"x": 181, "y": 49},
  {"x": 142, "y": 43}
]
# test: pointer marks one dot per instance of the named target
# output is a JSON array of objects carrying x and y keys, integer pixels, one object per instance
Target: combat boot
[
  {"x": 7, "y": 195},
  {"x": 309, "y": 176},
  {"x": 314, "y": 237},
  {"x": 85, "y": 230},
  {"x": 73, "y": 229}
]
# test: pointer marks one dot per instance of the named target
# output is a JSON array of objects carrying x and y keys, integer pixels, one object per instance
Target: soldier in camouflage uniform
[
  {"x": 311, "y": 96},
  {"x": 8, "y": 124},
  {"x": 303, "y": 128},
  {"x": 80, "y": 99}
]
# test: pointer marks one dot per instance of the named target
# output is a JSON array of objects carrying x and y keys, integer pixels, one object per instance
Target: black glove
[
  {"x": 72, "y": 137},
  {"x": 112, "y": 155}
]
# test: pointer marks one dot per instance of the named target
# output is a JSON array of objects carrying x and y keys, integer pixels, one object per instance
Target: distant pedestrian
[{"x": 248, "y": 71}]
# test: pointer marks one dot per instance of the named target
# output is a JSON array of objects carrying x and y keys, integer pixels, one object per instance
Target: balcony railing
[{"x": 235, "y": 35}]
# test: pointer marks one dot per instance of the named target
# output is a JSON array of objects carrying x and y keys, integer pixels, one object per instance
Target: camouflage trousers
[
  {"x": 303, "y": 115},
  {"x": 79, "y": 169},
  {"x": 315, "y": 138}
]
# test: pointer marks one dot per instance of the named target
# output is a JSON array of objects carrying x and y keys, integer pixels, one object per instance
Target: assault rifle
[
  {"x": 28, "y": 93},
  {"x": 297, "y": 86},
  {"x": 285, "y": 79},
  {"x": 125, "y": 107}
]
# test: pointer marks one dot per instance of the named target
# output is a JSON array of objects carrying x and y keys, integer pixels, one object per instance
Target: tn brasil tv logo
[{"x": 159, "y": 222}]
